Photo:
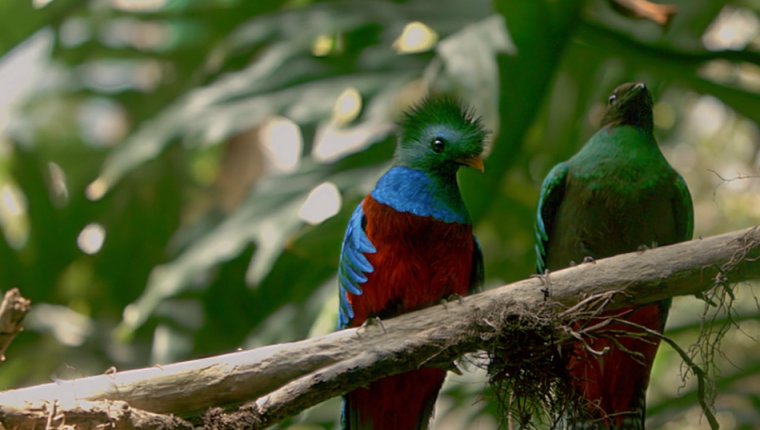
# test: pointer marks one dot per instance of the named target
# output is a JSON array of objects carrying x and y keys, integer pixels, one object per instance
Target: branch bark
[{"x": 289, "y": 378}]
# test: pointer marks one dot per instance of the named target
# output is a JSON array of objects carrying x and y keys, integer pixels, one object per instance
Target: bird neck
[
  {"x": 626, "y": 143},
  {"x": 423, "y": 194}
]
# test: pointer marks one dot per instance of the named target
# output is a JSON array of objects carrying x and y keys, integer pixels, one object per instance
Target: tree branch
[
  {"x": 286, "y": 379},
  {"x": 595, "y": 31},
  {"x": 90, "y": 416},
  {"x": 643, "y": 9},
  {"x": 12, "y": 312}
]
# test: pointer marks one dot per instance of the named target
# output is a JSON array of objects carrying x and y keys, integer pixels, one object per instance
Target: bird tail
[
  {"x": 611, "y": 387},
  {"x": 400, "y": 402}
]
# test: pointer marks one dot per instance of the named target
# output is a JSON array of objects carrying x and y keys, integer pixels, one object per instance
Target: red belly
[{"x": 418, "y": 262}]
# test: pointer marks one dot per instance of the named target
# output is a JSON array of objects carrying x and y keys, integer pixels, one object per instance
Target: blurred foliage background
[{"x": 176, "y": 175}]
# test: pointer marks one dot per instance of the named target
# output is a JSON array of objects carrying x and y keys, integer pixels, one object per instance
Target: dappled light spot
[
  {"x": 323, "y": 202},
  {"x": 138, "y": 5},
  {"x": 59, "y": 192},
  {"x": 282, "y": 143},
  {"x": 96, "y": 190},
  {"x": 709, "y": 115},
  {"x": 416, "y": 37},
  {"x": 115, "y": 76},
  {"x": 142, "y": 35},
  {"x": 102, "y": 122},
  {"x": 131, "y": 315},
  {"x": 69, "y": 327},
  {"x": 749, "y": 77},
  {"x": 13, "y": 216},
  {"x": 169, "y": 344},
  {"x": 683, "y": 157},
  {"x": 269, "y": 234},
  {"x": 733, "y": 29},
  {"x": 74, "y": 32},
  {"x": 91, "y": 238},
  {"x": 332, "y": 142},
  {"x": 720, "y": 71},
  {"x": 347, "y": 107},
  {"x": 39, "y": 4},
  {"x": 14, "y": 203},
  {"x": 322, "y": 45}
]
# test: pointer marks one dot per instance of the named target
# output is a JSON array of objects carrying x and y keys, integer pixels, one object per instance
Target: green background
[{"x": 160, "y": 105}]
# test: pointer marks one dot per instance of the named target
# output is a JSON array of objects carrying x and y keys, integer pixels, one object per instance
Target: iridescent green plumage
[{"x": 616, "y": 195}]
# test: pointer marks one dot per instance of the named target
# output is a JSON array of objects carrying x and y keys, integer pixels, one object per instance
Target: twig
[
  {"x": 698, "y": 372},
  {"x": 12, "y": 312},
  {"x": 728, "y": 180},
  {"x": 89, "y": 416},
  {"x": 642, "y": 9}
]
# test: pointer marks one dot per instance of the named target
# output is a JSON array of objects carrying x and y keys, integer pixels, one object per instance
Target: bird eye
[
  {"x": 611, "y": 99},
  {"x": 438, "y": 145}
]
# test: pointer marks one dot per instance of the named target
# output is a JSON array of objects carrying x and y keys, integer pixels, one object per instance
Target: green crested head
[
  {"x": 630, "y": 104},
  {"x": 438, "y": 135}
]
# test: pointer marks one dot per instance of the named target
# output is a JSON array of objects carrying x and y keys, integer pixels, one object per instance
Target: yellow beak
[{"x": 474, "y": 162}]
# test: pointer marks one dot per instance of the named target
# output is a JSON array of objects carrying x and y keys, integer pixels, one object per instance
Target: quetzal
[
  {"x": 410, "y": 245},
  {"x": 617, "y": 195}
]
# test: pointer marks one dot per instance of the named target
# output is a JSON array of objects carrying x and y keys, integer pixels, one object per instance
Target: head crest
[{"x": 440, "y": 110}]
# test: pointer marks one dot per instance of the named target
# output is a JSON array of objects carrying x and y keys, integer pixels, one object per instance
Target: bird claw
[
  {"x": 546, "y": 281},
  {"x": 371, "y": 321},
  {"x": 588, "y": 259},
  {"x": 453, "y": 296},
  {"x": 643, "y": 248}
]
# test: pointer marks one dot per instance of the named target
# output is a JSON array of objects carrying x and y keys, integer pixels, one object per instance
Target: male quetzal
[
  {"x": 617, "y": 195},
  {"x": 407, "y": 246}
]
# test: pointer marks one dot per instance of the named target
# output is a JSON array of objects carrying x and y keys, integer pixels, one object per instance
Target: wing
[
  {"x": 683, "y": 210},
  {"x": 552, "y": 193},
  {"x": 353, "y": 266},
  {"x": 477, "y": 273}
]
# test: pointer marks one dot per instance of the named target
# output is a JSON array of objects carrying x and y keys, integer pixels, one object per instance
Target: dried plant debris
[
  {"x": 718, "y": 317},
  {"x": 526, "y": 369},
  {"x": 528, "y": 357}
]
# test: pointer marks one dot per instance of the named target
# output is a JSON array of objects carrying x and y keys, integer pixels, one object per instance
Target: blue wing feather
[
  {"x": 353, "y": 264},
  {"x": 552, "y": 194}
]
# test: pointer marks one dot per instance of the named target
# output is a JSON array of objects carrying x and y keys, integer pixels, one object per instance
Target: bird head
[
  {"x": 630, "y": 104},
  {"x": 438, "y": 135}
]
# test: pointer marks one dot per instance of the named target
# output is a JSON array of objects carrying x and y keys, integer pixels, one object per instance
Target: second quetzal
[
  {"x": 617, "y": 195},
  {"x": 407, "y": 246}
]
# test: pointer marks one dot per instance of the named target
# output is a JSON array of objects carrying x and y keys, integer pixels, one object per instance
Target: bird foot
[
  {"x": 643, "y": 248},
  {"x": 456, "y": 296},
  {"x": 544, "y": 277},
  {"x": 588, "y": 259},
  {"x": 451, "y": 298},
  {"x": 373, "y": 320}
]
